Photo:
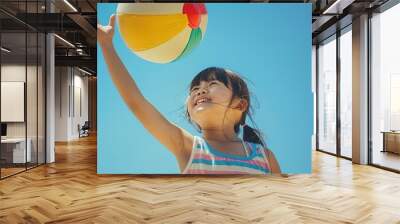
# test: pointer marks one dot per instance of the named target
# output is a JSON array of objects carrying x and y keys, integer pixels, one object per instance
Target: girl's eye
[
  {"x": 212, "y": 83},
  {"x": 194, "y": 90}
]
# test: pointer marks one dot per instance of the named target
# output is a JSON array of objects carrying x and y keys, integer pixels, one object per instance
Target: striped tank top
[{"x": 205, "y": 159}]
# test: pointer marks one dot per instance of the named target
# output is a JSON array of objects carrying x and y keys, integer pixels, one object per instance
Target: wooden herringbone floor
[{"x": 70, "y": 191}]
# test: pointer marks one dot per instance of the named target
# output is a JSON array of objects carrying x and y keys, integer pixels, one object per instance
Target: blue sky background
[{"x": 269, "y": 44}]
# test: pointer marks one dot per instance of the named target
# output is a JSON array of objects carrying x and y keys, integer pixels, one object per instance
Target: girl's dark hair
[{"x": 239, "y": 90}]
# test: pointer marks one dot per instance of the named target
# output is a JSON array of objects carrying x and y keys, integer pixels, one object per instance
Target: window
[
  {"x": 327, "y": 95},
  {"x": 346, "y": 92},
  {"x": 385, "y": 88}
]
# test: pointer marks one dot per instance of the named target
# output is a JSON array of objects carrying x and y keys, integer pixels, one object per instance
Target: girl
[{"x": 218, "y": 104}]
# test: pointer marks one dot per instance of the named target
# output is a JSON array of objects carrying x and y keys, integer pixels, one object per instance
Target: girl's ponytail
[{"x": 252, "y": 135}]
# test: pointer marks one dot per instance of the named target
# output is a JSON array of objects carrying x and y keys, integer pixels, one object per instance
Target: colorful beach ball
[{"x": 162, "y": 32}]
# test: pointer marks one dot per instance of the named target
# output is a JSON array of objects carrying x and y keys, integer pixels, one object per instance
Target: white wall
[
  {"x": 71, "y": 93},
  {"x": 80, "y": 110}
]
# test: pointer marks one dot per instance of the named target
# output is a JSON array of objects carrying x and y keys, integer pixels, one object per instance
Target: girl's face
[{"x": 209, "y": 105}]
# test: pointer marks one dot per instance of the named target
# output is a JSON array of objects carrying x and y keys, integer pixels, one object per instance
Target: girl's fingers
[
  {"x": 112, "y": 20},
  {"x": 101, "y": 27}
]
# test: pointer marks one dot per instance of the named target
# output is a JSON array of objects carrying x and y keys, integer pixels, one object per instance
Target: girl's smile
[{"x": 202, "y": 100}]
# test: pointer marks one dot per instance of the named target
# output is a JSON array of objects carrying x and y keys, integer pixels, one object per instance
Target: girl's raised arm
[{"x": 177, "y": 140}]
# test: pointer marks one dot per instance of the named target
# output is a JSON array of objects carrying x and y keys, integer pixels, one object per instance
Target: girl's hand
[{"x": 105, "y": 34}]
